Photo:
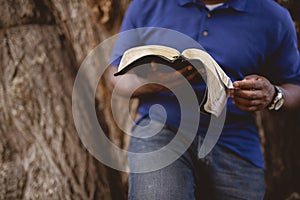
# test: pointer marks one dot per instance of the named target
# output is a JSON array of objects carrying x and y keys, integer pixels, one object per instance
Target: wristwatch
[{"x": 278, "y": 99}]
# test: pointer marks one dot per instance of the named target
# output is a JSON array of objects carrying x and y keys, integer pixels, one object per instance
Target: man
[{"x": 255, "y": 43}]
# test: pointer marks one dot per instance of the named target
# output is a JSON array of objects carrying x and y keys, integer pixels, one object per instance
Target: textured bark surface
[
  {"x": 42, "y": 44},
  {"x": 281, "y": 140},
  {"x": 282, "y": 154},
  {"x": 38, "y": 138}
]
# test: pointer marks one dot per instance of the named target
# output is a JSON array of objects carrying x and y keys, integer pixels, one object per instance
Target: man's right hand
[
  {"x": 165, "y": 81},
  {"x": 173, "y": 79}
]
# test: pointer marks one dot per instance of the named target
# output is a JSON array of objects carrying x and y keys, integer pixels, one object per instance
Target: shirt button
[
  {"x": 208, "y": 15},
  {"x": 205, "y": 33}
]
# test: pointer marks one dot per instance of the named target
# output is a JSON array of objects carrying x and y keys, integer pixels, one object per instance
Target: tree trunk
[
  {"x": 282, "y": 154},
  {"x": 280, "y": 133},
  {"x": 42, "y": 45}
]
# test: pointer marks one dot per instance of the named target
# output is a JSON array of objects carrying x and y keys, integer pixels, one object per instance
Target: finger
[
  {"x": 202, "y": 72},
  {"x": 249, "y": 94},
  {"x": 181, "y": 74},
  {"x": 182, "y": 81},
  {"x": 252, "y": 76},
  {"x": 167, "y": 78},
  {"x": 185, "y": 69},
  {"x": 171, "y": 78},
  {"x": 192, "y": 72},
  {"x": 192, "y": 75},
  {"x": 231, "y": 93},
  {"x": 249, "y": 84},
  {"x": 246, "y": 108},
  {"x": 247, "y": 102},
  {"x": 153, "y": 65}
]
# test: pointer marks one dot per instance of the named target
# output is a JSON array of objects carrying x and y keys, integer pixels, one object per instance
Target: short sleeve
[
  {"x": 127, "y": 37},
  {"x": 283, "y": 66}
]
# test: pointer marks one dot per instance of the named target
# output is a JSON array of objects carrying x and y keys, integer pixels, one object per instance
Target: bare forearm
[
  {"x": 256, "y": 93},
  {"x": 292, "y": 96},
  {"x": 130, "y": 85}
]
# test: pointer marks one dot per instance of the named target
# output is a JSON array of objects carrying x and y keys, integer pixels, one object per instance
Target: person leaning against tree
[{"x": 255, "y": 43}]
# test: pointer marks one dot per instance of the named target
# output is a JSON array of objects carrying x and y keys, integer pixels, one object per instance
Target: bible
[{"x": 216, "y": 79}]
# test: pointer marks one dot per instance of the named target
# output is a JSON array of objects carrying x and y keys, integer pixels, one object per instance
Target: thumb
[
  {"x": 153, "y": 65},
  {"x": 251, "y": 77}
]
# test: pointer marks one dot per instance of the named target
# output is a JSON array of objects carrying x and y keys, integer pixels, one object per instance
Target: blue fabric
[
  {"x": 216, "y": 176},
  {"x": 245, "y": 37}
]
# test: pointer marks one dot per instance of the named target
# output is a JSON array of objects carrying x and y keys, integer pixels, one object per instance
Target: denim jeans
[{"x": 220, "y": 175}]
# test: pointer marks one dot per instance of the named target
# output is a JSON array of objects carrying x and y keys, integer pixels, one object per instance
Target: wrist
[
  {"x": 147, "y": 87},
  {"x": 277, "y": 100}
]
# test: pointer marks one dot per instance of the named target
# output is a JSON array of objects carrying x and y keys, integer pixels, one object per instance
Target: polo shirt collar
[
  {"x": 185, "y": 2},
  {"x": 239, "y": 5}
]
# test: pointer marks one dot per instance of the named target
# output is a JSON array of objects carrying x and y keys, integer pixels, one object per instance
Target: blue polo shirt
[{"x": 244, "y": 37}]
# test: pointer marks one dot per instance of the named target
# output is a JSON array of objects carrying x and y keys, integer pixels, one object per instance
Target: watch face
[{"x": 278, "y": 104}]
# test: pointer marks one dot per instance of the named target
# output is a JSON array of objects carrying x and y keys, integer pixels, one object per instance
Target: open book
[{"x": 216, "y": 79}]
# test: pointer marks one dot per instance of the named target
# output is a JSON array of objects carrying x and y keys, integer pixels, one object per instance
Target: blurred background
[{"x": 42, "y": 44}]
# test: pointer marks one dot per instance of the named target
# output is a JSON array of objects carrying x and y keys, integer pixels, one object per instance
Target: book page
[
  {"x": 138, "y": 52},
  {"x": 217, "y": 80}
]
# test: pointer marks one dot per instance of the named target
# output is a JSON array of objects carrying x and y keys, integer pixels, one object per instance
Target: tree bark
[
  {"x": 42, "y": 45},
  {"x": 280, "y": 136},
  {"x": 282, "y": 154}
]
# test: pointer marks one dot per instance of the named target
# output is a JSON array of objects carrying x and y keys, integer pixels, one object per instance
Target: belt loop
[
  {"x": 208, "y": 157},
  {"x": 200, "y": 142}
]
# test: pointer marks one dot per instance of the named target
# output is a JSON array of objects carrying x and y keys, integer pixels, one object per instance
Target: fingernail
[{"x": 189, "y": 68}]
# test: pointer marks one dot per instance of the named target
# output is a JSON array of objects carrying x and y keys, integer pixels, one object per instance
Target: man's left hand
[{"x": 253, "y": 93}]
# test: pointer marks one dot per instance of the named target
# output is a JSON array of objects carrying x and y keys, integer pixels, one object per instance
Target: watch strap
[{"x": 278, "y": 96}]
